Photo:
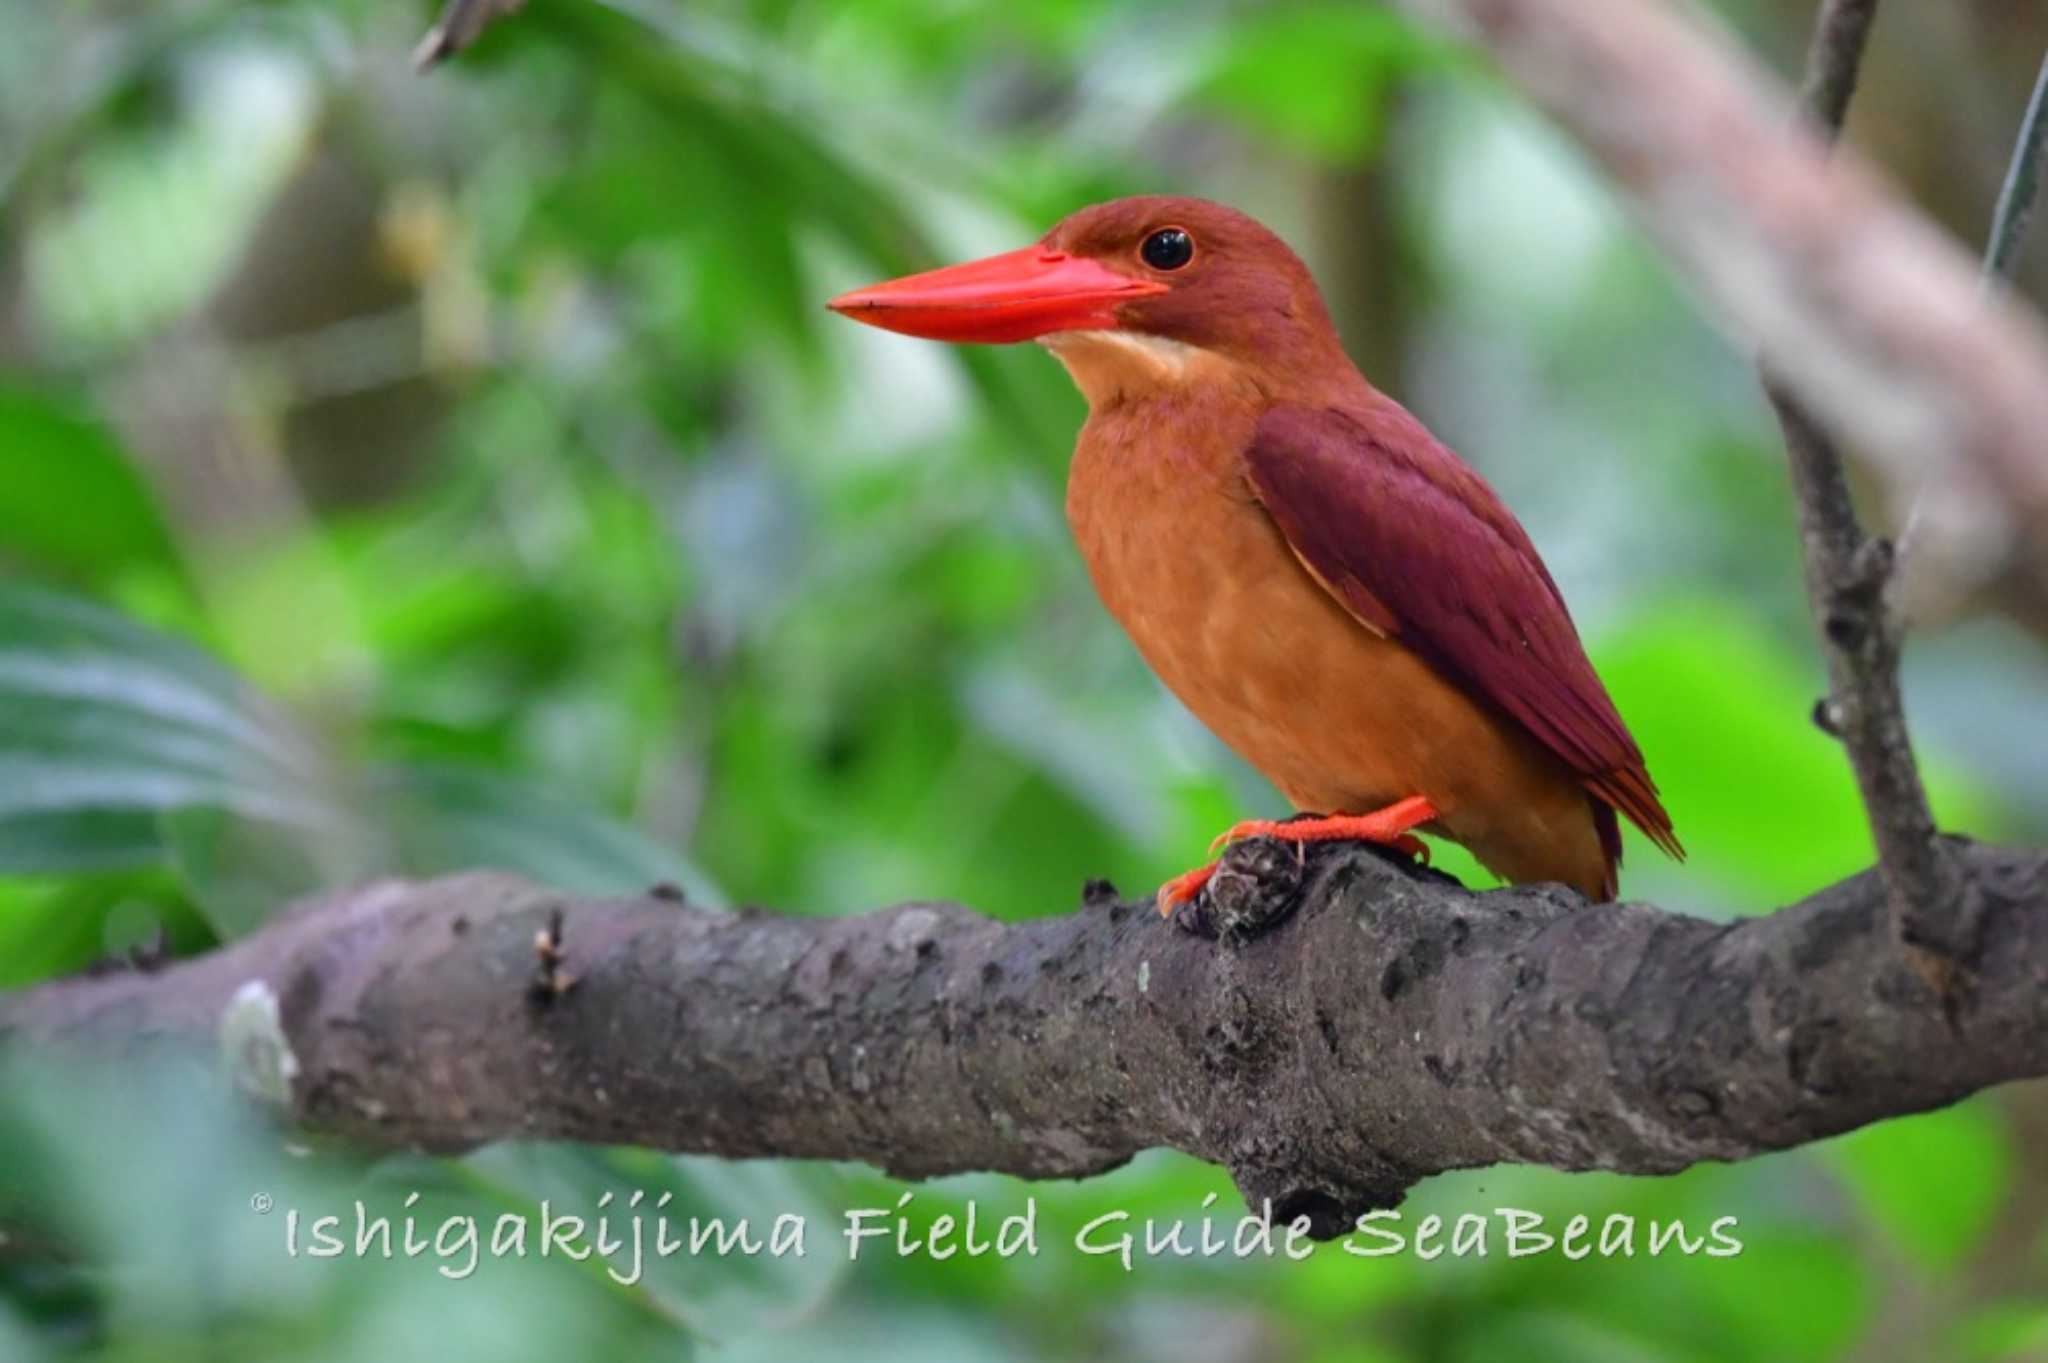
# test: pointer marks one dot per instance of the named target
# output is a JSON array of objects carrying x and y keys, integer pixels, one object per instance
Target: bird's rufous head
[{"x": 1182, "y": 271}]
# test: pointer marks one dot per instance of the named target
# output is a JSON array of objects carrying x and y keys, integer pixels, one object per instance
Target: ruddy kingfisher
[{"x": 1326, "y": 586}]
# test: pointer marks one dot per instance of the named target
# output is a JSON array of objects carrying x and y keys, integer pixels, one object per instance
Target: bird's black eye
[{"x": 1167, "y": 249}]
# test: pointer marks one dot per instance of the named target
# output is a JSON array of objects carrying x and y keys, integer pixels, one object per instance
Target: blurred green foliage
[{"x": 400, "y": 474}]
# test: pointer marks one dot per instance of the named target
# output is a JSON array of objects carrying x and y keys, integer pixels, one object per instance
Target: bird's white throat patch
[{"x": 1112, "y": 364}]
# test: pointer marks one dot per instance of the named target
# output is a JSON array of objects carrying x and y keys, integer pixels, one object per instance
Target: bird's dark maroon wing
[{"x": 1419, "y": 548}]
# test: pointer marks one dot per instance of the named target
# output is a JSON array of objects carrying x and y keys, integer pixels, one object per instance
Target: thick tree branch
[
  {"x": 1873, "y": 317},
  {"x": 1394, "y": 1027}
]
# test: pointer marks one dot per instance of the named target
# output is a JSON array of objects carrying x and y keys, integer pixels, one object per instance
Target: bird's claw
[
  {"x": 1264, "y": 828},
  {"x": 1254, "y": 886},
  {"x": 1388, "y": 827},
  {"x": 1182, "y": 889},
  {"x": 1259, "y": 887}
]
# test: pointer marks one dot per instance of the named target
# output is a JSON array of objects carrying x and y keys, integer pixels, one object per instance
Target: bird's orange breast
[{"x": 1340, "y": 718}]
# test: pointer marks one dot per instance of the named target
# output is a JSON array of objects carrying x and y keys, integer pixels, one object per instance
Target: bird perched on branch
[{"x": 1327, "y": 587}]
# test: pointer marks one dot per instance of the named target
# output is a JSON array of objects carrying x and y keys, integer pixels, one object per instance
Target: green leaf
[
  {"x": 105, "y": 725},
  {"x": 1540, "y": 1335},
  {"x": 52, "y": 927},
  {"x": 682, "y": 1197},
  {"x": 240, "y": 871},
  {"x": 2009, "y": 1330},
  {"x": 79, "y": 840},
  {"x": 1764, "y": 801},
  {"x": 1886, "y": 1165},
  {"x": 1795, "y": 1295},
  {"x": 454, "y": 819},
  {"x": 69, "y": 498},
  {"x": 1315, "y": 77}
]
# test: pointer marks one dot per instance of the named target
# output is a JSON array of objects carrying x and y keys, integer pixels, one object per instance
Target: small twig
[
  {"x": 1097, "y": 892},
  {"x": 1847, "y": 574},
  {"x": 151, "y": 954},
  {"x": 2017, "y": 198},
  {"x": 550, "y": 981},
  {"x": 460, "y": 23},
  {"x": 2022, "y": 188},
  {"x": 1834, "y": 58}
]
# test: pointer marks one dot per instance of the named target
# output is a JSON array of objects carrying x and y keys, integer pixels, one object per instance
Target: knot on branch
[
  {"x": 1283, "y": 1071},
  {"x": 1857, "y": 598},
  {"x": 1330, "y": 1201},
  {"x": 1943, "y": 925}
]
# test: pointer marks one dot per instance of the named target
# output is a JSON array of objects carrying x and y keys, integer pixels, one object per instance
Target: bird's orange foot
[{"x": 1388, "y": 827}]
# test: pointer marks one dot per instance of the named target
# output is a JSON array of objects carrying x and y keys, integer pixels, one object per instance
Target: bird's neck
[
  {"x": 1116, "y": 367},
  {"x": 1113, "y": 367}
]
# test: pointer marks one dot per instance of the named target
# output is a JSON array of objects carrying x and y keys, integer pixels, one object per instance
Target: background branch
[
  {"x": 1873, "y": 316},
  {"x": 1848, "y": 575},
  {"x": 1834, "y": 58},
  {"x": 461, "y": 23},
  {"x": 1395, "y": 1027},
  {"x": 2022, "y": 187},
  {"x": 1864, "y": 317}
]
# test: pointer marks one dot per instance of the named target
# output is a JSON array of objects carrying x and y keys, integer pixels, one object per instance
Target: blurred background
[{"x": 402, "y": 474}]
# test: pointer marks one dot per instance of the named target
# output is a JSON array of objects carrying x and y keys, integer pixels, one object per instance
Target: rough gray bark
[
  {"x": 1395, "y": 1026},
  {"x": 1847, "y": 574}
]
